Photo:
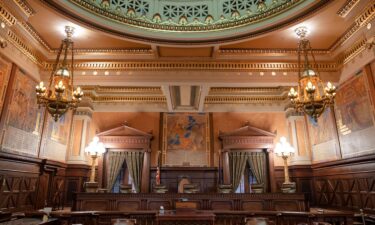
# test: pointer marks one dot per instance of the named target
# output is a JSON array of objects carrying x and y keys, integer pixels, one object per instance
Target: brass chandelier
[
  {"x": 58, "y": 97},
  {"x": 311, "y": 96}
]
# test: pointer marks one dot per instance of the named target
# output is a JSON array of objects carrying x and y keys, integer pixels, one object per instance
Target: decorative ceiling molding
[
  {"x": 138, "y": 13},
  {"x": 31, "y": 31},
  {"x": 109, "y": 51},
  {"x": 6, "y": 16},
  {"x": 300, "y": 11},
  {"x": 353, "y": 51},
  {"x": 25, "y": 49},
  {"x": 246, "y": 99},
  {"x": 367, "y": 15},
  {"x": 99, "y": 90},
  {"x": 25, "y": 7},
  {"x": 347, "y": 7},
  {"x": 198, "y": 65},
  {"x": 248, "y": 90},
  {"x": 126, "y": 99},
  {"x": 251, "y": 51}
]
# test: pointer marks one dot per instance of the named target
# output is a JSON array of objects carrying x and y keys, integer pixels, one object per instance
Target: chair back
[{"x": 123, "y": 222}]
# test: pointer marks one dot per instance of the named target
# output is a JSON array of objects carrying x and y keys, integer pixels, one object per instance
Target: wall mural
[
  {"x": 355, "y": 117},
  {"x": 24, "y": 119},
  {"x": 186, "y": 139},
  {"x": 5, "y": 69},
  {"x": 323, "y": 138}
]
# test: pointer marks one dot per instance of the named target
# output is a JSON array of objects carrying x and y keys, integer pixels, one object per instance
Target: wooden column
[
  {"x": 226, "y": 169},
  {"x": 271, "y": 167},
  {"x": 145, "y": 183}
]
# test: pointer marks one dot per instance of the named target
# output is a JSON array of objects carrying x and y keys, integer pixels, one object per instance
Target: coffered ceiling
[{"x": 131, "y": 57}]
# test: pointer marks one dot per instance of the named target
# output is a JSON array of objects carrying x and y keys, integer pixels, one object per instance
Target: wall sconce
[{"x": 285, "y": 150}]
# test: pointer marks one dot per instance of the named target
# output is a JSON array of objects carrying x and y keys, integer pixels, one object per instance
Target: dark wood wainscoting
[
  {"x": 205, "y": 177},
  {"x": 221, "y": 217},
  {"x": 346, "y": 184},
  {"x": 153, "y": 201},
  {"x": 76, "y": 176},
  {"x": 30, "y": 183},
  {"x": 302, "y": 175}
]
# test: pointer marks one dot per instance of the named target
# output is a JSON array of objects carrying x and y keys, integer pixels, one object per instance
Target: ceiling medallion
[
  {"x": 58, "y": 97},
  {"x": 311, "y": 97}
]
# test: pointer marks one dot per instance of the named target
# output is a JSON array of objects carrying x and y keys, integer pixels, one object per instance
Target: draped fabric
[
  {"x": 237, "y": 166},
  {"x": 116, "y": 160},
  {"x": 134, "y": 161},
  {"x": 257, "y": 162}
]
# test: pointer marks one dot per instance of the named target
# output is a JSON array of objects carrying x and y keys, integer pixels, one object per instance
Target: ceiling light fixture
[
  {"x": 311, "y": 96},
  {"x": 58, "y": 97}
]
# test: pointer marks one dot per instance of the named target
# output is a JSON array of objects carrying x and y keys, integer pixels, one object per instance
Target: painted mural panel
[
  {"x": 186, "y": 139},
  {"x": 323, "y": 138},
  {"x": 57, "y": 137},
  {"x": 5, "y": 69},
  {"x": 23, "y": 118},
  {"x": 355, "y": 117}
]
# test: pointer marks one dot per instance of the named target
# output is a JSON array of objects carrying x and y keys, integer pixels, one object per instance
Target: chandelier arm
[
  {"x": 72, "y": 66},
  {"x": 65, "y": 52},
  {"x": 56, "y": 63},
  {"x": 306, "y": 56},
  {"x": 314, "y": 61}
]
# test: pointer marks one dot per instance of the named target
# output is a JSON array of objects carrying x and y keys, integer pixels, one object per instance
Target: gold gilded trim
[
  {"x": 133, "y": 21},
  {"x": 35, "y": 35},
  {"x": 229, "y": 51},
  {"x": 248, "y": 90},
  {"x": 123, "y": 90},
  {"x": 126, "y": 99},
  {"x": 25, "y": 7},
  {"x": 347, "y": 7},
  {"x": 197, "y": 65},
  {"x": 353, "y": 51},
  {"x": 245, "y": 99},
  {"x": 6, "y": 16},
  {"x": 367, "y": 15},
  {"x": 16, "y": 41}
]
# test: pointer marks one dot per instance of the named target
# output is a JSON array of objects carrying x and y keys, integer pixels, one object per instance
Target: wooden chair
[
  {"x": 257, "y": 221},
  {"x": 123, "y": 222}
]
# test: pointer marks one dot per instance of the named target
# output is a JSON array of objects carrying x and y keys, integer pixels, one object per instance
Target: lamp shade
[
  {"x": 95, "y": 147},
  {"x": 283, "y": 148}
]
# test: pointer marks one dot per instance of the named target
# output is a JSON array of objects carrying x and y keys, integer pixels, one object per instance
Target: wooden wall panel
[
  {"x": 205, "y": 177},
  {"x": 30, "y": 183},
  {"x": 346, "y": 184}
]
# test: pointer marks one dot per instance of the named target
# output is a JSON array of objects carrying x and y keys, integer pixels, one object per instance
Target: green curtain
[
  {"x": 237, "y": 162},
  {"x": 116, "y": 160},
  {"x": 258, "y": 166},
  {"x": 134, "y": 161}
]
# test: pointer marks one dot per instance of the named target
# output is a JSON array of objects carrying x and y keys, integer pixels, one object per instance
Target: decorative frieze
[{"x": 347, "y": 7}]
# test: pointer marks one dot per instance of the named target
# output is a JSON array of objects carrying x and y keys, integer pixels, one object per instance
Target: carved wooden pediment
[
  {"x": 247, "y": 131},
  {"x": 125, "y": 137},
  {"x": 247, "y": 137},
  {"x": 124, "y": 130}
]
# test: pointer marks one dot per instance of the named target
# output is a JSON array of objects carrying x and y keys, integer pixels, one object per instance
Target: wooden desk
[{"x": 185, "y": 218}]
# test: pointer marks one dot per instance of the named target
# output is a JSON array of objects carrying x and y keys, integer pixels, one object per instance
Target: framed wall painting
[
  {"x": 355, "y": 116},
  {"x": 323, "y": 138},
  {"x": 24, "y": 119},
  {"x": 186, "y": 139}
]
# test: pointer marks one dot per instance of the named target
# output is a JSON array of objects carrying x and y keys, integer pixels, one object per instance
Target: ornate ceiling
[
  {"x": 196, "y": 55},
  {"x": 199, "y": 21}
]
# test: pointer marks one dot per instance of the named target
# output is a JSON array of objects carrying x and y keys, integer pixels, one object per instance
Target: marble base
[
  {"x": 91, "y": 187},
  {"x": 289, "y": 187}
]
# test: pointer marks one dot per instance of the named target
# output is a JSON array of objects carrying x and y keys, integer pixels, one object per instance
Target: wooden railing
[{"x": 222, "y": 217}]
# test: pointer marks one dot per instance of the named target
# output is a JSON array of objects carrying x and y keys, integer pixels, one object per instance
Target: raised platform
[{"x": 153, "y": 201}]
